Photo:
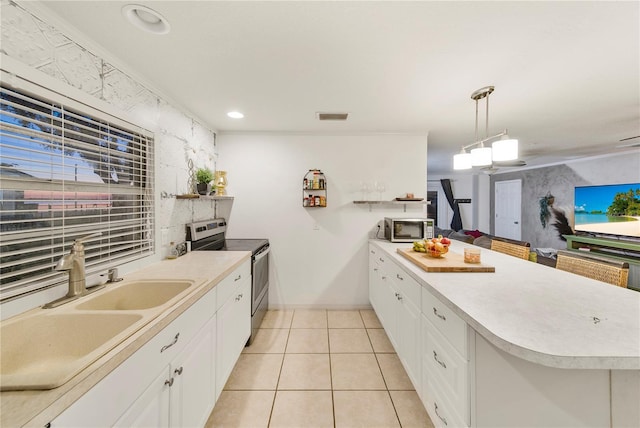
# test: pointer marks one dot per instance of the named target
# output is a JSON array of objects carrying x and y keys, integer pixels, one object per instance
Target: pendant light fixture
[{"x": 505, "y": 149}]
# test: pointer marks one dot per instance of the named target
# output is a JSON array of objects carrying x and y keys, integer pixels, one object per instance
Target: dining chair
[
  {"x": 520, "y": 249},
  {"x": 610, "y": 271}
]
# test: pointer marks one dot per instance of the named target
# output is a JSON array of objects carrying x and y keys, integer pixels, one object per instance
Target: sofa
[
  {"x": 483, "y": 240},
  {"x": 474, "y": 237}
]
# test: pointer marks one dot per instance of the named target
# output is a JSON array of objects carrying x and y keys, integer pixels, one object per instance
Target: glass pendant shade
[
  {"x": 481, "y": 156},
  {"x": 505, "y": 150},
  {"x": 462, "y": 161}
]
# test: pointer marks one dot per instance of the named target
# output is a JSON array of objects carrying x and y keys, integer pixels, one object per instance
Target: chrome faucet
[{"x": 74, "y": 263}]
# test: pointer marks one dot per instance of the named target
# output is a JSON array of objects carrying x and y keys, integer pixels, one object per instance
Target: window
[{"x": 68, "y": 170}]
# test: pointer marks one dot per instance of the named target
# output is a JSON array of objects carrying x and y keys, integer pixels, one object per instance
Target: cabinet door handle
[
  {"x": 178, "y": 371},
  {"x": 373, "y": 252},
  {"x": 442, "y": 317},
  {"x": 435, "y": 406},
  {"x": 165, "y": 347},
  {"x": 239, "y": 296},
  {"x": 238, "y": 278},
  {"x": 169, "y": 382},
  {"x": 381, "y": 259},
  {"x": 399, "y": 277},
  {"x": 435, "y": 357},
  {"x": 375, "y": 269},
  {"x": 383, "y": 277}
]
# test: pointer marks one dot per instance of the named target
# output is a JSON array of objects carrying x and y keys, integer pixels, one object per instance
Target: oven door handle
[{"x": 262, "y": 254}]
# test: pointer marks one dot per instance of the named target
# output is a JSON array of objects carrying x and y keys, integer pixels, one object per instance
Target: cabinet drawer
[
  {"x": 444, "y": 364},
  {"x": 452, "y": 327},
  {"x": 443, "y": 414},
  {"x": 407, "y": 286},
  {"x": 227, "y": 287}
]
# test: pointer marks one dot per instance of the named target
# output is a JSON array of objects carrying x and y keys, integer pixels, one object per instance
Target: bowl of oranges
[{"x": 433, "y": 247}]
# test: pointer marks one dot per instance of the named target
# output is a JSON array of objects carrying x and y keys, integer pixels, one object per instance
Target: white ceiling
[{"x": 566, "y": 73}]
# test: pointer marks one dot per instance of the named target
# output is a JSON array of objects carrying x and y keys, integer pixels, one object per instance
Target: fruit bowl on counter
[{"x": 433, "y": 247}]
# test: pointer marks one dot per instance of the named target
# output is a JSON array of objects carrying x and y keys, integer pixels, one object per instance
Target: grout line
[
  {"x": 333, "y": 401},
  {"x": 284, "y": 354}
]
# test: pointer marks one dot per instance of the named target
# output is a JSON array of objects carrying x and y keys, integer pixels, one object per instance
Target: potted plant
[{"x": 203, "y": 178}]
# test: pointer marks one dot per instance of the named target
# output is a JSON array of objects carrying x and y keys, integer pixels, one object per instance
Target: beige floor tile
[
  {"x": 394, "y": 374},
  {"x": 277, "y": 319},
  {"x": 344, "y": 319},
  {"x": 298, "y": 409},
  {"x": 241, "y": 409},
  {"x": 308, "y": 341},
  {"x": 255, "y": 371},
  {"x": 370, "y": 318},
  {"x": 379, "y": 340},
  {"x": 410, "y": 410},
  {"x": 268, "y": 341},
  {"x": 305, "y": 371},
  {"x": 303, "y": 318},
  {"x": 355, "y": 371},
  {"x": 354, "y": 340},
  {"x": 370, "y": 409}
]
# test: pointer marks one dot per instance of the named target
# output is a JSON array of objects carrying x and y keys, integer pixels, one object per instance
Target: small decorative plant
[{"x": 204, "y": 176}]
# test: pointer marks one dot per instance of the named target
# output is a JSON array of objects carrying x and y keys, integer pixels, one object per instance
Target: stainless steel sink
[
  {"x": 135, "y": 295},
  {"x": 45, "y": 350}
]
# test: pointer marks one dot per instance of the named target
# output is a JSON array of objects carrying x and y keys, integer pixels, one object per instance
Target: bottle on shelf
[{"x": 314, "y": 189}]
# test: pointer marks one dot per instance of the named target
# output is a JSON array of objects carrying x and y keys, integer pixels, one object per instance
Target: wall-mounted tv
[{"x": 608, "y": 210}]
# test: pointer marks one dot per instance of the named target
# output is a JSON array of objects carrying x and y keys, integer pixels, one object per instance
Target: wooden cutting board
[{"x": 451, "y": 262}]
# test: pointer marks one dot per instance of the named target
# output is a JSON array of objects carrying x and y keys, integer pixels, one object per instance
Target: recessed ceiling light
[
  {"x": 235, "y": 115},
  {"x": 146, "y": 19}
]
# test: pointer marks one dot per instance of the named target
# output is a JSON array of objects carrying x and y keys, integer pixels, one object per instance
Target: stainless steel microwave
[{"x": 407, "y": 229}]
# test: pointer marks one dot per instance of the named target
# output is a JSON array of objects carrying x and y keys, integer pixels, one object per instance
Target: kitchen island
[
  {"x": 531, "y": 346},
  {"x": 209, "y": 271}
]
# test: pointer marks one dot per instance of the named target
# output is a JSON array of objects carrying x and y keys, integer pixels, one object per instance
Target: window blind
[{"x": 67, "y": 171}]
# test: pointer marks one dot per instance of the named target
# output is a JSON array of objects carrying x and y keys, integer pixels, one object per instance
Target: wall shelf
[
  {"x": 204, "y": 197},
  {"x": 314, "y": 189},
  {"x": 391, "y": 203}
]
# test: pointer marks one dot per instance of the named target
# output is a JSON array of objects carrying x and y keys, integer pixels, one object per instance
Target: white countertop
[
  {"x": 539, "y": 313},
  {"x": 206, "y": 268}
]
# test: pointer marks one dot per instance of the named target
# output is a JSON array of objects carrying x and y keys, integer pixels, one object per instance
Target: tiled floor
[{"x": 319, "y": 369}]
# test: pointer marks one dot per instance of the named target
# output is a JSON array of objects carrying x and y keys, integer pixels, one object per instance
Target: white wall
[
  {"x": 475, "y": 215},
  {"x": 39, "y": 48},
  {"x": 326, "y": 267}
]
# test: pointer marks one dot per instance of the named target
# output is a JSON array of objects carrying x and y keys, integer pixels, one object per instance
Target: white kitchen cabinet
[
  {"x": 193, "y": 390},
  {"x": 446, "y": 376},
  {"x": 233, "y": 330},
  {"x": 151, "y": 409},
  {"x": 171, "y": 380},
  {"x": 408, "y": 326},
  {"x": 479, "y": 379},
  {"x": 393, "y": 299},
  {"x": 183, "y": 393}
]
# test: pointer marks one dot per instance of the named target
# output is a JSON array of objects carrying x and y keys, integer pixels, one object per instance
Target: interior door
[{"x": 508, "y": 205}]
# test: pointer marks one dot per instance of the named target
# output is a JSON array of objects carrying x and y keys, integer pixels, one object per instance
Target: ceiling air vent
[{"x": 332, "y": 116}]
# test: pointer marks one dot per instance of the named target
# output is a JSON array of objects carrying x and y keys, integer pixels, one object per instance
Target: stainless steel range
[{"x": 210, "y": 235}]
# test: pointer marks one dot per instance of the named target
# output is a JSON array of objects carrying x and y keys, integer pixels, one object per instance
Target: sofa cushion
[
  {"x": 483, "y": 241},
  {"x": 443, "y": 232},
  {"x": 475, "y": 233},
  {"x": 461, "y": 236}
]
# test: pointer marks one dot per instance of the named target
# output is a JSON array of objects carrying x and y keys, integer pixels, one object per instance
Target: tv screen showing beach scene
[{"x": 610, "y": 209}]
